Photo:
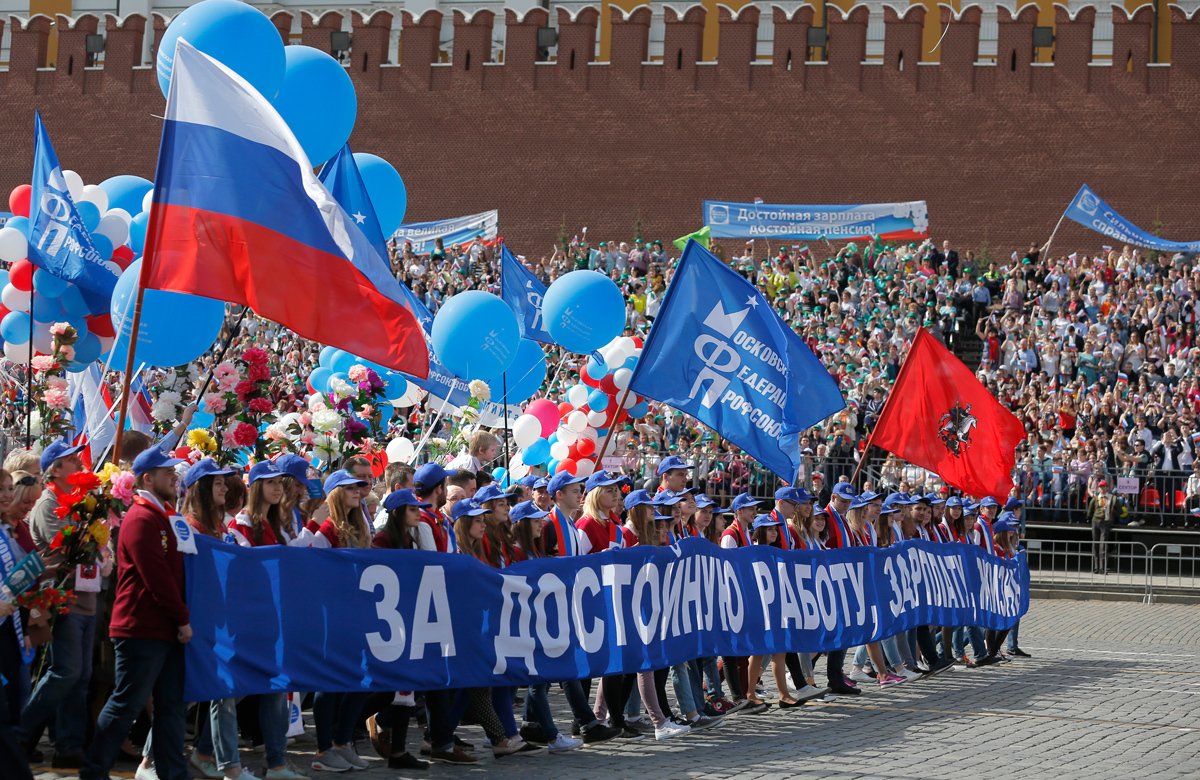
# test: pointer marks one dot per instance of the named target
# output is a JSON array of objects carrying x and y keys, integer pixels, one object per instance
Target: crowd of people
[{"x": 438, "y": 509}]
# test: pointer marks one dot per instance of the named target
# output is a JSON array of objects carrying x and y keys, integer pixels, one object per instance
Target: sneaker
[
  {"x": 331, "y": 761},
  {"x": 351, "y": 755},
  {"x": 1019, "y": 653},
  {"x": 245, "y": 774},
  {"x": 721, "y": 705},
  {"x": 756, "y": 708},
  {"x": 809, "y": 692},
  {"x": 407, "y": 761},
  {"x": 629, "y": 733},
  {"x": 705, "y": 722},
  {"x": 528, "y": 748},
  {"x": 145, "y": 773},
  {"x": 680, "y": 720},
  {"x": 668, "y": 730},
  {"x": 889, "y": 679},
  {"x": 456, "y": 756},
  {"x": 939, "y": 667},
  {"x": 285, "y": 772},
  {"x": 848, "y": 682},
  {"x": 508, "y": 747},
  {"x": 381, "y": 738},
  {"x": 642, "y": 726},
  {"x": 910, "y": 675},
  {"x": 600, "y": 733},
  {"x": 988, "y": 660},
  {"x": 737, "y": 706},
  {"x": 860, "y": 675},
  {"x": 964, "y": 661},
  {"x": 562, "y": 743},
  {"x": 532, "y": 732}
]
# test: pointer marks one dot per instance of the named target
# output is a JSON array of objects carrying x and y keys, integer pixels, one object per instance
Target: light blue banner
[
  {"x": 1089, "y": 210},
  {"x": 458, "y": 230},
  {"x": 890, "y": 221},
  {"x": 396, "y": 620}
]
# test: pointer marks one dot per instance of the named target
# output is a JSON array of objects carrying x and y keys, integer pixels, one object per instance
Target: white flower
[
  {"x": 316, "y": 402},
  {"x": 480, "y": 389},
  {"x": 326, "y": 421},
  {"x": 341, "y": 388},
  {"x": 327, "y": 447},
  {"x": 166, "y": 407},
  {"x": 35, "y": 423},
  {"x": 437, "y": 442}
]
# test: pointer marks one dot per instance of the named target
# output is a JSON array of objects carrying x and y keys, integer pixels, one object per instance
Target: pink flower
[
  {"x": 214, "y": 403},
  {"x": 56, "y": 383},
  {"x": 258, "y": 372},
  {"x": 122, "y": 486},
  {"x": 57, "y": 399},
  {"x": 273, "y": 433},
  {"x": 307, "y": 438},
  {"x": 254, "y": 355},
  {"x": 366, "y": 410},
  {"x": 305, "y": 419},
  {"x": 67, "y": 352},
  {"x": 59, "y": 328},
  {"x": 259, "y": 405},
  {"x": 226, "y": 376},
  {"x": 245, "y": 434},
  {"x": 44, "y": 363},
  {"x": 357, "y": 373}
]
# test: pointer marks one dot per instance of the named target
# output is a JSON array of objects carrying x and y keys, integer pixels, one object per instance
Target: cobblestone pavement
[{"x": 1113, "y": 691}]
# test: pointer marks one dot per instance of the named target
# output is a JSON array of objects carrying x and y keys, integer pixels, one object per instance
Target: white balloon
[
  {"x": 596, "y": 419},
  {"x": 577, "y": 395},
  {"x": 400, "y": 450},
  {"x": 626, "y": 345},
  {"x": 112, "y": 228},
  {"x": 621, "y": 378},
  {"x": 589, "y": 432},
  {"x": 42, "y": 340},
  {"x": 17, "y": 353},
  {"x": 113, "y": 266},
  {"x": 585, "y": 467},
  {"x": 14, "y": 299},
  {"x": 518, "y": 470},
  {"x": 315, "y": 400},
  {"x": 120, "y": 214},
  {"x": 74, "y": 185},
  {"x": 526, "y": 429},
  {"x": 558, "y": 450},
  {"x": 631, "y": 400},
  {"x": 147, "y": 199},
  {"x": 14, "y": 246},
  {"x": 92, "y": 193},
  {"x": 577, "y": 421},
  {"x": 567, "y": 436}
]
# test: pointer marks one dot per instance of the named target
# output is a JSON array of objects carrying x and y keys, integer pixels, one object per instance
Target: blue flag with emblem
[
  {"x": 720, "y": 353},
  {"x": 58, "y": 240},
  {"x": 523, "y": 293}
]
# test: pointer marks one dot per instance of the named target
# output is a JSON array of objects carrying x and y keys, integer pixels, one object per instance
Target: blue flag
[
  {"x": 341, "y": 177},
  {"x": 523, "y": 293},
  {"x": 720, "y": 353},
  {"x": 58, "y": 240},
  {"x": 1089, "y": 210}
]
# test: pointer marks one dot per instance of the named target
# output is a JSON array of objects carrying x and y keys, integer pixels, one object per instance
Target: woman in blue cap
[
  {"x": 1004, "y": 547},
  {"x": 346, "y": 525},
  {"x": 399, "y": 532},
  {"x": 706, "y": 522},
  {"x": 498, "y": 550},
  {"x": 861, "y": 532},
  {"x": 765, "y": 531},
  {"x": 204, "y": 502}
]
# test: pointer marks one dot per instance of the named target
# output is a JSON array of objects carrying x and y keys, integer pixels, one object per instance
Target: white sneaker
[
  {"x": 331, "y": 761},
  {"x": 206, "y": 768},
  {"x": 352, "y": 757},
  {"x": 145, "y": 773},
  {"x": 562, "y": 743},
  {"x": 809, "y": 692},
  {"x": 858, "y": 674},
  {"x": 245, "y": 775},
  {"x": 670, "y": 729},
  {"x": 910, "y": 674}
]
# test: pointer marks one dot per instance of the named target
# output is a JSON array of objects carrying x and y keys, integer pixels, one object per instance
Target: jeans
[
  {"x": 712, "y": 677},
  {"x": 335, "y": 715},
  {"x": 144, "y": 667},
  {"x": 1012, "y": 637},
  {"x": 273, "y": 722},
  {"x": 62, "y": 691},
  {"x": 578, "y": 701},
  {"x": 12, "y": 754},
  {"x": 219, "y": 734},
  {"x": 978, "y": 648},
  {"x": 681, "y": 681},
  {"x": 537, "y": 710}
]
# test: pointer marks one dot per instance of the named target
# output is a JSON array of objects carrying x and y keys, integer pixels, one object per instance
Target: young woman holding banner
[
  {"x": 861, "y": 532},
  {"x": 766, "y": 530}
]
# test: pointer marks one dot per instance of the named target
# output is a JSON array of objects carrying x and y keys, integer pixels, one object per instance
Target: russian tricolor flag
[{"x": 238, "y": 215}]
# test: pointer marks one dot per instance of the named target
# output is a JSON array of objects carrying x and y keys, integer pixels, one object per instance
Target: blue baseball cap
[
  {"x": 764, "y": 521},
  {"x": 529, "y": 480},
  {"x": 660, "y": 516},
  {"x": 294, "y": 466},
  {"x": 888, "y": 509},
  {"x": 150, "y": 459},
  {"x": 264, "y": 470},
  {"x": 637, "y": 498},
  {"x": 401, "y": 498},
  {"x": 489, "y": 492},
  {"x": 933, "y": 498},
  {"x": 743, "y": 500},
  {"x": 541, "y": 483},
  {"x": 672, "y": 462},
  {"x": 338, "y": 479},
  {"x": 1004, "y": 524},
  {"x": 429, "y": 476},
  {"x": 703, "y": 501},
  {"x": 844, "y": 490},
  {"x": 794, "y": 495},
  {"x": 953, "y": 501},
  {"x": 57, "y": 450},
  {"x": 863, "y": 499},
  {"x": 466, "y": 508},
  {"x": 1013, "y": 503},
  {"x": 602, "y": 479},
  {"x": 988, "y": 501},
  {"x": 563, "y": 479},
  {"x": 667, "y": 498},
  {"x": 526, "y": 510},
  {"x": 205, "y": 467}
]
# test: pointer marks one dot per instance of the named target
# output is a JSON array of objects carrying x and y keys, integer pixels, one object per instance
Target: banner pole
[
  {"x": 504, "y": 411},
  {"x": 147, "y": 259},
  {"x": 1053, "y": 233},
  {"x": 883, "y": 412},
  {"x": 429, "y": 432},
  {"x": 29, "y": 380}
]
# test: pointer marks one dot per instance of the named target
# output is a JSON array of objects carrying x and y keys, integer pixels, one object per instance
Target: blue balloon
[
  {"x": 233, "y": 33},
  {"x": 598, "y": 400},
  {"x": 72, "y": 302},
  {"x": 552, "y": 466},
  {"x": 103, "y": 245},
  {"x": 46, "y": 309},
  {"x": 500, "y": 474},
  {"x": 537, "y": 453},
  {"x": 75, "y": 367},
  {"x": 640, "y": 409},
  {"x": 523, "y": 378},
  {"x": 4, "y": 278},
  {"x": 325, "y": 356},
  {"x": 395, "y": 385},
  {"x": 87, "y": 348},
  {"x": 317, "y": 101},
  {"x": 175, "y": 328},
  {"x": 47, "y": 284},
  {"x": 90, "y": 214},
  {"x": 553, "y": 437},
  {"x": 202, "y": 420},
  {"x": 475, "y": 335},
  {"x": 342, "y": 362},
  {"x": 137, "y": 232},
  {"x": 385, "y": 413},
  {"x": 630, "y": 362},
  {"x": 319, "y": 379},
  {"x": 596, "y": 368},
  {"x": 15, "y": 327},
  {"x": 385, "y": 188},
  {"x": 20, "y": 223},
  {"x": 583, "y": 311},
  {"x": 126, "y": 192}
]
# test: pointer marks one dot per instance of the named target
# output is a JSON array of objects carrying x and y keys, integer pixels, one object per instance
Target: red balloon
[
  {"x": 547, "y": 414},
  {"x": 566, "y": 465},
  {"x": 607, "y": 384},
  {"x": 18, "y": 200},
  {"x": 584, "y": 447},
  {"x": 637, "y": 340},
  {"x": 21, "y": 275},
  {"x": 3, "y": 312},
  {"x": 101, "y": 325},
  {"x": 587, "y": 380},
  {"x": 123, "y": 256},
  {"x": 182, "y": 452},
  {"x": 564, "y": 409}
]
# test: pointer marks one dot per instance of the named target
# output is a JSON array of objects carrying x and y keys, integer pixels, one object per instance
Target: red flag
[{"x": 941, "y": 418}]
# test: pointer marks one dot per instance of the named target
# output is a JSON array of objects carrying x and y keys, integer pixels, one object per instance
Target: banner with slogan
[
  {"x": 389, "y": 620},
  {"x": 889, "y": 221},
  {"x": 1089, "y": 210},
  {"x": 458, "y": 230}
]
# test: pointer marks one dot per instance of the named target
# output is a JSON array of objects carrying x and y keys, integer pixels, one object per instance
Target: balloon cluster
[
  {"x": 334, "y": 363},
  {"x": 567, "y": 436}
]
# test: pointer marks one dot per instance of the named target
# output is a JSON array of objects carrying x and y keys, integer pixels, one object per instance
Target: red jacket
[
  {"x": 149, "y": 602},
  {"x": 603, "y": 536}
]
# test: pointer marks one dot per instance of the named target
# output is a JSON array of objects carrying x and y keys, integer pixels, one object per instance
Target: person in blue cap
[
  {"x": 1005, "y": 547},
  {"x": 983, "y": 534},
  {"x": 742, "y": 511},
  {"x": 673, "y": 473},
  {"x": 600, "y": 521},
  {"x": 437, "y": 531},
  {"x": 204, "y": 502},
  {"x": 562, "y": 537},
  {"x": 703, "y": 524},
  {"x": 541, "y": 494},
  {"x": 295, "y": 489},
  {"x": 786, "y": 500},
  {"x": 766, "y": 530},
  {"x": 954, "y": 525},
  {"x": 399, "y": 532},
  {"x": 346, "y": 525}
]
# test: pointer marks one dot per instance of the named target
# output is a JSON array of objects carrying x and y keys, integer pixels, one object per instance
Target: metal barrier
[
  {"x": 1179, "y": 565},
  {"x": 1123, "y": 565}
]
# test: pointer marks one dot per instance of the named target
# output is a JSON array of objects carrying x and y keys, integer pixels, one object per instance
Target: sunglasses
[{"x": 27, "y": 481}]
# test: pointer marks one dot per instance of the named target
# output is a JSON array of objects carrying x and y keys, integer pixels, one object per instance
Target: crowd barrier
[{"x": 1123, "y": 566}]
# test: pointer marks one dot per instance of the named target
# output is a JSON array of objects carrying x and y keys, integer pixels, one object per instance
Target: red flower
[
  {"x": 258, "y": 372},
  {"x": 245, "y": 434},
  {"x": 84, "y": 481},
  {"x": 244, "y": 389},
  {"x": 59, "y": 538},
  {"x": 259, "y": 405},
  {"x": 254, "y": 356}
]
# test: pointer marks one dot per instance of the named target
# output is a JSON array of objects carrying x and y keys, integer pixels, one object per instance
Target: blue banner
[
  {"x": 523, "y": 293},
  {"x": 720, "y": 353},
  {"x": 889, "y": 221},
  {"x": 395, "y": 620},
  {"x": 58, "y": 240},
  {"x": 1089, "y": 210},
  {"x": 458, "y": 230}
]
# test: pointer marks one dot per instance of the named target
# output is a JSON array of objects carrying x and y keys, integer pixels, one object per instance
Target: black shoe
[
  {"x": 67, "y": 761},
  {"x": 679, "y": 720},
  {"x": 407, "y": 761},
  {"x": 534, "y": 734},
  {"x": 843, "y": 690},
  {"x": 462, "y": 743},
  {"x": 1019, "y": 653},
  {"x": 456, "y": 756},
  {"x": 988, "y": 660},
  {"x": 600, "y": 733},
  {"x": 575, "y": 731},
  {"x": 629, "y": 734}
]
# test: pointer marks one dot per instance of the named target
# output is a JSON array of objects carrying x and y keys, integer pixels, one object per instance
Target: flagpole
[
  {"x": 1046, "y": 246},
  {"x": 237, "y": 326},
  {"x": 29, "y": 380},
  {"x": 886, "y": 405},
  {"x": 504, "y": 411},
  {"x": 429, "y": 432}
]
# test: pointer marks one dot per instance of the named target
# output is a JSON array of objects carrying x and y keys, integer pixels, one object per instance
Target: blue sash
[
  {"x": 785, "y": 532},
  {"x": 843, "y": 531},
  {"x": 8, "y": 561}
]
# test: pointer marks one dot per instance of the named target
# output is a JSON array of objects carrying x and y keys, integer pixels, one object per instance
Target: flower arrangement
[
  {"x": 346, "y": 420},
  {"x": 444, "y": 450},
  {"x": 240, "y": 404},
  {"x": 45, "y": 602},
  {"x": 50, "y": 415}
]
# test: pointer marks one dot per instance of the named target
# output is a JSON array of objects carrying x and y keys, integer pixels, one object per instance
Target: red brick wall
[{"x": 996, "y": 152}]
